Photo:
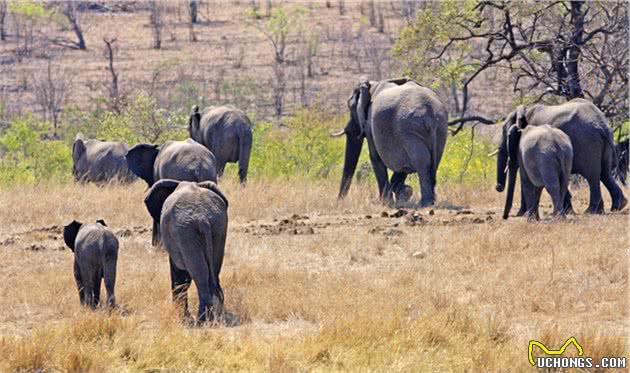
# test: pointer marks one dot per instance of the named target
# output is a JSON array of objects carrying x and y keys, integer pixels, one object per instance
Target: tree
[
  {"x": 70, "y": 10},
  {"x": 156, "y": 22},
  {"x": 3, "y": 17},
  {"x": 113, "y": 90},
  {"x": 51, "y": 87},
  {"x": 560, "y": 49}
]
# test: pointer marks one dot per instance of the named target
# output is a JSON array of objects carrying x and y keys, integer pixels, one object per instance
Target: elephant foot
[
  {"x": 424, "y": 204},
  {"x": 620, "y": 205},
  {"x": 595, "y": 210},
  {"x": 521, "y": 212}
]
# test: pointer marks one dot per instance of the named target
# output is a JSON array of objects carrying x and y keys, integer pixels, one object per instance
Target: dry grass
[{"x": 336, "y": 291}]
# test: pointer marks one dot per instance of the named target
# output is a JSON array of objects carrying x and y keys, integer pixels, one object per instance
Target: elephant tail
[
  {"x": 244, "y": 151},
  {"x": 610, "y": 159}
]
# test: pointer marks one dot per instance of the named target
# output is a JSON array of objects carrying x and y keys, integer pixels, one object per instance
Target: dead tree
[
  {"x": 3, "y": 17},
  {"x": 113, "y": 89},
  {"x": 193, "y": 7},
  {"x": 70, "y": 10},
  {"x": 51, "y": 87},
  {"x": 156, "y": 22}
]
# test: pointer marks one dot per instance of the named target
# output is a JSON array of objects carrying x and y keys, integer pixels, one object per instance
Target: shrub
[{"x": 27, "y": 158}]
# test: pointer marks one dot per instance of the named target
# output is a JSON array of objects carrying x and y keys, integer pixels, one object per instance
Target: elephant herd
[{"x": 405, "y": 125}]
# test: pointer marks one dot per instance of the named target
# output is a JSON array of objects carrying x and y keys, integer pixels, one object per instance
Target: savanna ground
[{"x": 313, "y": 284}]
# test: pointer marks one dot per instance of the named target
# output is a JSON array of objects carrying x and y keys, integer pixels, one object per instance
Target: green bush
[
  {"x": 27, "y": 158},
  {"x": 466, "y": 160}
]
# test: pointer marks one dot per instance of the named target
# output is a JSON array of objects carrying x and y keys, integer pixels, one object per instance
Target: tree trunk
[
  {"x": 574, "y": 50},
  {"x": 194, "y": 4}
]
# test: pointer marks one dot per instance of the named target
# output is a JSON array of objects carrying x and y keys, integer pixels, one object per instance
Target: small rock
[
  {"x": 399, "y": 213},
  {"x": 431, "y": 212},
  {"x": 464, "y": 212},
  {"x": 368, "y": 216},
  {"x": 393, "y": 232},
  {"x": 384, "y": 214},
  {"x": 419, "y": 255}
]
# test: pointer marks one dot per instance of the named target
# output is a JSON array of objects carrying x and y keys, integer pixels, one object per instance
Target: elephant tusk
[
  {"x": 338, "y": 133},
  {"x": 493, "y": 153}
]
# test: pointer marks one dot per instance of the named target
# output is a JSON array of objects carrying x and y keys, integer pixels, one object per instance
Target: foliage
[
  {"x": 141, "y": 120},
  {"x": 466, "y": 160},
  {"x": 304, "y": 149},
  {"x": 28, "y": 158}
]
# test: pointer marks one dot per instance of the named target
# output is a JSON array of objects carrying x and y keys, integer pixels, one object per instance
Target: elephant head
[
  {"x": 140, "y": 160},
  {"x": 507, "y": 160},
  {"x": 79, "y": 160},
  {"x": 355, "y": 130},
  {"x": 161, "y": 190},
  {"x": 193, "y": 122}
]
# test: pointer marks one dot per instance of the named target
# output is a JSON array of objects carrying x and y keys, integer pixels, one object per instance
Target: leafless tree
[
  {"x": 279, "y": 86},
  {"x": 71, "y": 12},
  {"x": 114, "y": 92},
  {"x": 342, "y": 7},
  {"x": 156, "y": 21},
  {"x": 51, "y": 87},
  {"x": 193, "y": 7},
  {"x": 3, "y": 17}
]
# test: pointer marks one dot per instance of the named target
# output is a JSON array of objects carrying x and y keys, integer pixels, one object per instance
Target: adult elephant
[
  {"x": 99, "y": 161},
  {"x": 194, "y": 220},
  {"x": 623, "y": 157},
  {"x": 593, "y": 148},
  {"x": 405, "y": 125},
  {"x": 227, "y": 132},
  {"x": 178, "y": 160}
]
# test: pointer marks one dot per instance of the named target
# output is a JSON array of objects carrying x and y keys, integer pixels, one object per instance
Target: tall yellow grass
[{"x": 363, "y": 292}]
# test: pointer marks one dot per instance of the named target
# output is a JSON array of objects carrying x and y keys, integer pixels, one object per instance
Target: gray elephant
[
  {"x": 592, "y": 142},
  {"x": 179, "y": 160},
  {"x": 193, "y": 220},
  {"x": 406, "y": 127},
  {"x": 95, "y": 250},
  {"x": 227, "y": 132},
  {"x": 545, "y": 157},
  {"x": 99, "y": 161}
]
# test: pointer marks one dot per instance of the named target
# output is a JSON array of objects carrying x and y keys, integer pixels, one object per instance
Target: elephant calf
[
  {"x": 545, "y": 156},
  {"x": 193, "y": 221},
  {"x": 95, "y": 250}
]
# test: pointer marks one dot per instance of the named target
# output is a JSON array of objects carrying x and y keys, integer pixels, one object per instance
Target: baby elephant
[
  {"x": 95, "y": 254},
  {"x": 545, "y": 157},
  {"x": 193, "y": 222}
]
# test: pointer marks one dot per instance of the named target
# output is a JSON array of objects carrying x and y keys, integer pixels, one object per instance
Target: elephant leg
[
  {"x": 88, "y": 283},
  {"x": 155, "y": 238},
  {"x": 596, "y": 204},
  {"x": 197, "y": 266},
  {"x": 532, "y": 213},
  {"x": 523, "y": 209},
  {"x": 619, "y": 201},
  {"x": 220, "y": 167},
  {"x": 402, "y": 192},
  {"x": 568, "y": 206},
  {"x": 79, "y": 281},
  {"x": 531, "y": 193},
  {"x": 180, "y": 282},
  {"x": 380, "y": 172},
  {"x": 553, "y": 186},
  {"x": 420, "y": 158},
  {"x": 98, "y": 277}
]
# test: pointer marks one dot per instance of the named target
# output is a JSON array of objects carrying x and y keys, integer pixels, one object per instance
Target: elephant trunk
[
  {"x": 501, "y": 168},
  {"x": 353, "y": 151},
  {"x": 509, "y": 197}
]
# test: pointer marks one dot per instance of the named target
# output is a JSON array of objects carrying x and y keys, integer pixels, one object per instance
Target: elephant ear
[
  {"x": 101, "y": 222},
  {"x": 78, "y": 149},
  {"x": 140, "y": 160},
  {"x": 215, "y": 188},
  {"x": 156, "y": 196},
  {"x": 70, "y": 232},
  {"x": 521, "y": 118}
]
